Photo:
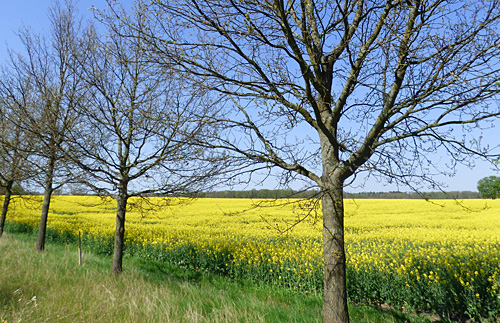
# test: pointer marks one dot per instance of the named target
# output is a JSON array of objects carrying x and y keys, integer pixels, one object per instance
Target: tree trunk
[
  {"x": 42, "y": 229},
  {"x": 6, "y": 201},
  {"x": 121, "y": 201},
  {"x": 40, "y": 243},
  {"x": 335, "y": 287}
]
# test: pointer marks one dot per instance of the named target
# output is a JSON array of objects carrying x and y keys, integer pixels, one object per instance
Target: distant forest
[
  {"x": 274, "y": 194},
  {"x": 265, "y": 193},
  {"x": 16, "y": 190}
]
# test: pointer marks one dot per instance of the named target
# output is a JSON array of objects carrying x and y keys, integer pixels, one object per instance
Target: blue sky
[{"x": 34, "y": 13}]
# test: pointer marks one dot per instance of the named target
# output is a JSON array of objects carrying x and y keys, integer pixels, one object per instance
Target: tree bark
[
  {"x": 121, "y": 201},
  {"x": 6, "y": 201},
  {"x": 335, "y": 287},
  {"x": 40, "y": 243}
]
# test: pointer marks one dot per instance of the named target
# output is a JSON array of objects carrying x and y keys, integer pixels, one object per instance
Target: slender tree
[
  {"x": 47, "y": 107},
  {"x": 140, "y": 121},
  {"x": 328, "y": 89},
  {"x": 15, "y": 150}
]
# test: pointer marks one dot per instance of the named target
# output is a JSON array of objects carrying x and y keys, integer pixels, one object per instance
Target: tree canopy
[
  {"x": 328, "y": 90},
  {"x": 489, "y": 187}
]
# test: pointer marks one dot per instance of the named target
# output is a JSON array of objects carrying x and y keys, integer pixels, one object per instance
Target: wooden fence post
[{"x": 79, "y": 248}]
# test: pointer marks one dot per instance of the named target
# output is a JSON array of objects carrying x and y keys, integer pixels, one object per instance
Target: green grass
[{"x": 52, "y": 287}]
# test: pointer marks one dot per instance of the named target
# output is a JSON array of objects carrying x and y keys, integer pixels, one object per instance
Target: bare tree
[
  {"x": 15, "y": 149},
  {"x": 46, "y": 108},
  {"x": 330, "y": 89},
  {"x": 140, "y": 120}
]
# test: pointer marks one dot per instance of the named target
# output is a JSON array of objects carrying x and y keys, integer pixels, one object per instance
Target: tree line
[
  {"x": 176, "y": 97},
  {"x": 276, "y": 194},
  {"x": 288, "y": 193}
]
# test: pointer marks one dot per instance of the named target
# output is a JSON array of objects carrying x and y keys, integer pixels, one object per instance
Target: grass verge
[{"x": 52, "y": 287}]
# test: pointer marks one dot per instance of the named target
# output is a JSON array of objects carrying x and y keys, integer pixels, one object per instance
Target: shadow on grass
[
  {"x": 372, "y": 314},
  {"x": 159, "y": 272}
]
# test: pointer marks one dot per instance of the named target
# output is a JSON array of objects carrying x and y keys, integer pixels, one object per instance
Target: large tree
[
  {"x": 139, "y": 122},
  {"x": 328, "y": 89},
  {"x": 45, "y": 107},
  {"x": 489, "y": 187}
]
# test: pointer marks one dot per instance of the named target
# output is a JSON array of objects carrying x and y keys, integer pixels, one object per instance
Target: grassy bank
[{"x": 52, "y": 287}]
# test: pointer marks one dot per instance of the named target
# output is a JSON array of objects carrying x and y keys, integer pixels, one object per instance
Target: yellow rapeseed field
[{"x": 445, "y": 250}]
